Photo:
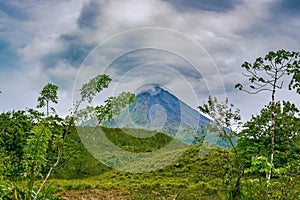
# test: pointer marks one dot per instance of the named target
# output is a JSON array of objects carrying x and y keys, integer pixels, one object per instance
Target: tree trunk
[
  {"x": 45, "y": 180},
  {"x": 268, "y": 175},
  {"x": 47, "y": 108},
  {"x": 31, "y": 181},
  {"x": 59, "y": 156}
]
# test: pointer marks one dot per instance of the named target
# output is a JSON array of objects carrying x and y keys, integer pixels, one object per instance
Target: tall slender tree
[
  {"x": 267, "y": 74},
  {"x": 47, "y": 95},
  {"x": 225, "y": 120},
  {"x": 88, "y": 91}
]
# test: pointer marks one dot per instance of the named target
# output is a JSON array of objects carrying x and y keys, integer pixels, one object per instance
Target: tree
[
  {"x": 254, "y": 138},
  {"x": 35, "y": 154},
  {"x": 14, "y": 130},
  {"x": 254, "y": 145},
  {"x": 267, "y": 74},
  {"x": 294, "y": 70},
  {"x": 88, "y": 91},
  {"x": 225, "y": 120},
  {"x": 33, "y": 144},
  {"x": 113, "y": 106},
  {"x": 22, "y": 149},
  {"x": 47, "y": 95}
]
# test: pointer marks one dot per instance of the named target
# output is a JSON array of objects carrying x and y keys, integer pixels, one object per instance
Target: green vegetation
[
  {"x": 136, "y": 140},
  {"x": 40, "y": 141},
  {"x": 48, "y": 94},
  {"x": 190, "y": 177},
  {"x": 42, "y": 156},
  {"x": 267, "y": 74}
]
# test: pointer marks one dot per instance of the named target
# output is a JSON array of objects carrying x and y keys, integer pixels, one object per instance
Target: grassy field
[
  {"x": 158, "y": 167},
  {"x": 189, "y": 177}
]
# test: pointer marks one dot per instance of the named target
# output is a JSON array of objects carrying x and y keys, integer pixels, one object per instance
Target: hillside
[
  {"x": 101, "y": 143},
  {"x": 184, "y": 174},
  {"x": 189, "y": 176}
]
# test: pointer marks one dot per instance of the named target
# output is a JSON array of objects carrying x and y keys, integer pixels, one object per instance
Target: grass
[
  {"x": 182, "y": 177},
  {"x": 167, "y": 169}
]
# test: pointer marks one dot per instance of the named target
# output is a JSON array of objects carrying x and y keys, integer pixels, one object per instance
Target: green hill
[
  {"x": 140, "y": 164},
  {"x": 176, "y": 170},
  {"x": 116, "y": 148},
  {"x": 190, "y": 176}
]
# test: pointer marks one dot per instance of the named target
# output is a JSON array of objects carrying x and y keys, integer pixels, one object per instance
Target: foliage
[
  {"x": 254, "y": 146},
  {"x": 89, "y": 90},
  {"x": 225, "y": 120},
  {"x": 295, "y": 71},
  {"x": 11, "y": 191},
  {"x": 189, "y": 177},
  {"x": 33, "y": 144},
  {"x": 114, "y": 106},
  {"x": 255, "y": 137},
  {"x": 47, "y": 95},
  {"x": 36, "y": 143},
  {"x": 14, "y": 130},
  {"x": 266, "y": 74},
  {"x": 35, "y": 153},
  {"x": 77, "y": 162}
]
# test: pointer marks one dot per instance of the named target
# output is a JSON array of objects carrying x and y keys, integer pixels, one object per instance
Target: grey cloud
[
  {"x": 89, "y": 15},
  {"x": 285, "y": 8},
  {"x": 283, "y": 17},
  {"x": 232, "y": 31},
  {"x": 9, "y": 58},
  {"x": 149, "y": 56},
  {"x": 73, "y": 53},
  {"x": 215, "y": 5},
  {"x": 14, "y": 10}
]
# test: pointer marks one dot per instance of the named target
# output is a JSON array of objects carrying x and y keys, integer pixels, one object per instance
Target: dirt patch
[{"x": 95, "y": 195}]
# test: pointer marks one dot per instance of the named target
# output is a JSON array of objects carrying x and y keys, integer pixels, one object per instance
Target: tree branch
[{"x": 258, "y": 91}]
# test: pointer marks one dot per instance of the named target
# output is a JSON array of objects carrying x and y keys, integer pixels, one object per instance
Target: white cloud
[{"x": 239, "y": 34}]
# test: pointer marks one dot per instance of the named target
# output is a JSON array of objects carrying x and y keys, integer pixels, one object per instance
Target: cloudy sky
[{"x": 191, "y": 47}]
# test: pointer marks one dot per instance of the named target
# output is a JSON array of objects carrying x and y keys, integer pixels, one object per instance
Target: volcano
[{"x": 158, "y": 109}]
